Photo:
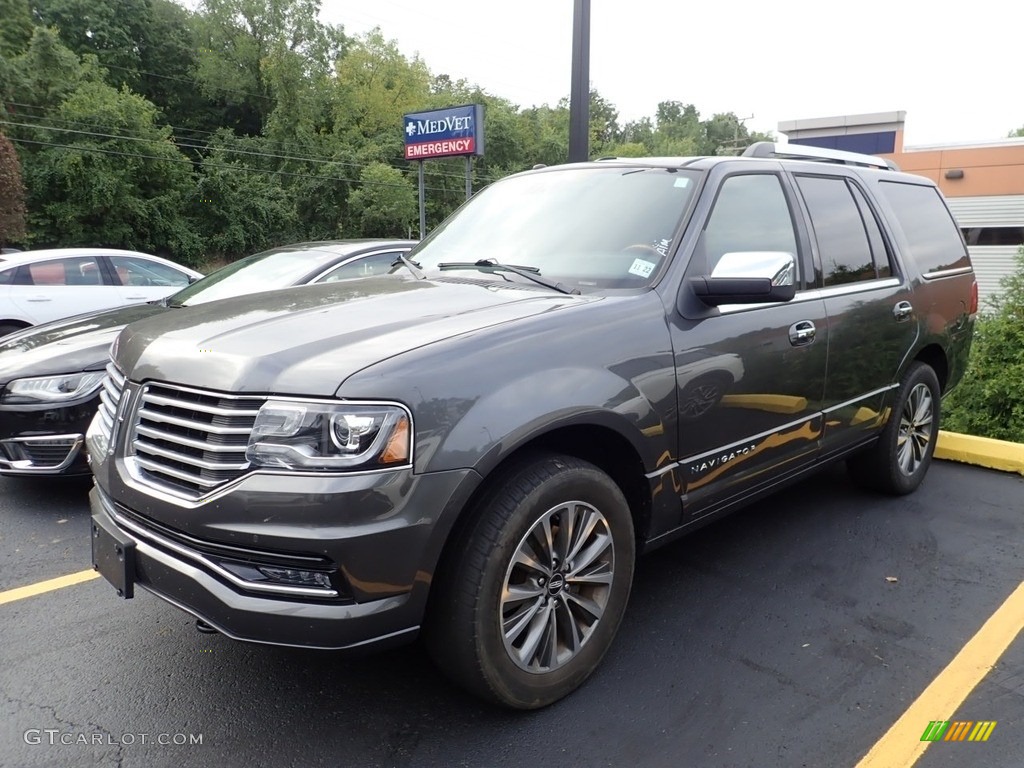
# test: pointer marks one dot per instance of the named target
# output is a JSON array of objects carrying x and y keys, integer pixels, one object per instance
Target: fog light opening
[{"x": 295, "y": 578}]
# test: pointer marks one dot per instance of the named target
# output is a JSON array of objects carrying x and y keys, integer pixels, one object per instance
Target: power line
[
  {"x": 232, "y": 168},
  {"x": 180, "y": 143}
]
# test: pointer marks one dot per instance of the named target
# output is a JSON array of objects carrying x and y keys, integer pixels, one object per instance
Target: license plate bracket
[{"x": 113, "y": 555}]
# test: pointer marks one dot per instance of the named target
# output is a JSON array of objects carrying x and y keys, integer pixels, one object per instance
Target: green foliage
[
  {"x": 1019, "y": 133},
  {"x": 213, "y": 133},
  {"x": 385, "y": 203},
  {"x": 12, "y": 195},
  {"x": 989, "y": 402},
  {"x": 239, "y": 208},
  {"x": 93, "y": 188},
  {"x": 112, "y": 30},
  {"x": 16, "y": 29}
]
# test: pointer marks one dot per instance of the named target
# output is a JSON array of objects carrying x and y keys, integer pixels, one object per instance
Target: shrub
[{"x": 989, "y": 402}]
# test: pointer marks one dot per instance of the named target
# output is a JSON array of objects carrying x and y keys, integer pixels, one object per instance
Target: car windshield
[
  {"x": 589, "y": 227},
  {"x": 264, "y": 271}
]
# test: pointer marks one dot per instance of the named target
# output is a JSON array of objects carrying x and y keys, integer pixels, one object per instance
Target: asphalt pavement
[{"x": 791, "y": 634}]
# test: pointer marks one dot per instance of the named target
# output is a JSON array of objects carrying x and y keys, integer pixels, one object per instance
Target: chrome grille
[
  {"x": 191, "y": 440},
  {"x": 110, "y": 396}
]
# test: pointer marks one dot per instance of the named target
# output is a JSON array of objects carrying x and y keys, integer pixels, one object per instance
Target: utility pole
[
  {"x": 579, "y": 96},
  {"x": 735, "y": 147}
]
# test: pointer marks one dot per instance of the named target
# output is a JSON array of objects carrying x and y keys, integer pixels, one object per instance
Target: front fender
[{"x": 539, "y": 402}]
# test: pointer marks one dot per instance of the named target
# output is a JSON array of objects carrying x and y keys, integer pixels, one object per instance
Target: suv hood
[
  {"x": 307, "y": 341},
  {"x": 74, "y": 344}
]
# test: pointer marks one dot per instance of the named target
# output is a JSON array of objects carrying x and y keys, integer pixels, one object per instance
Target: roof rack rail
[{"x": 818, "y": 154}]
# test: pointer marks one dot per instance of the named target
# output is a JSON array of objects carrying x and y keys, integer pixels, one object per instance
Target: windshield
[
  {"x": 603, "y": 227},
  {"x": 276, "y": 268}
]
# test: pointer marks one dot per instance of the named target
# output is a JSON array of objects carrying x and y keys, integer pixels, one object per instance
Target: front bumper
[
  {"x": 42, "y": 455},
  {"x": 45, "y": 440},
  {"x": 378, "y": 561}
]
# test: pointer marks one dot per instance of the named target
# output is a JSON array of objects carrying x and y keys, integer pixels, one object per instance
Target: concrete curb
[{"x": 980, "y": 451}]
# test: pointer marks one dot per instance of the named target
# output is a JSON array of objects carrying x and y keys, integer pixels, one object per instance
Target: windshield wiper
[
  {"x": 530, "y": 273},
  {"x": 412, "y": 265}
]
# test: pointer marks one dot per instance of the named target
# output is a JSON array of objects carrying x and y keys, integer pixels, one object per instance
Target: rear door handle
[
  {"x": 135, "y": 297},
  {"x": 802, "y": 333},
  {"x": 39, "y": 298},
  {"x": 902, "y": 310}
]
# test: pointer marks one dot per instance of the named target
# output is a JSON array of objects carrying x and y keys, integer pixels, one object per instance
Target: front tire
[
  {"x": 898, "y": 462},
  {"x": 536, "y": 585}
]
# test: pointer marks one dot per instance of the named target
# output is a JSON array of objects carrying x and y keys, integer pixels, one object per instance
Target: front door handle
[
  {"x": 38, "y": 298},
  {"x": 802, "y": 333},
  {"x": 902, "y": 310}
]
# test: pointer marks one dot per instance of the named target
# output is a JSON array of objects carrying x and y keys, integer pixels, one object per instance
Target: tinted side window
[
  {"x": 839, "y": 229},
  {"x": 750, "y": 214},
  {"x": 7, "y": 276},
  {"x": 932, "y": 234},
  {"x": 132, "y": 271},
  {"x": 81, "y": 270},
  {"x": 994, "y": 235},
  {"x": 879, "y": 247}
]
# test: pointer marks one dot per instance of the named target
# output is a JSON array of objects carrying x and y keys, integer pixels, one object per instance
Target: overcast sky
[{"x": 955, "y": 68}]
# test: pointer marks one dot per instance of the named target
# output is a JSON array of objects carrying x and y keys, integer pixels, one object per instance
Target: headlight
[
  {"x": 52, "y": 389},
  {"x": 325, "y": 436}
]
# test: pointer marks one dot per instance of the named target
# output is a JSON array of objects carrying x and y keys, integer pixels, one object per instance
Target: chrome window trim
[
  {"x": 817, "y": 294},
  {"x": 846, "y": 290}
]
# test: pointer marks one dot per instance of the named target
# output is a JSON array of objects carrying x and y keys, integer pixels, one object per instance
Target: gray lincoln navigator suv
[{"x": 582, "y": 363}]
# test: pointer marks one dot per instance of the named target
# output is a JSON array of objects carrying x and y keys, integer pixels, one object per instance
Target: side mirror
[{"x": 748, "y": 277}]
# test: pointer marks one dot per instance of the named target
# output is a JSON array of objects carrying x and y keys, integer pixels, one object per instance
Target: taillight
[{"x": 974, "y": 298}]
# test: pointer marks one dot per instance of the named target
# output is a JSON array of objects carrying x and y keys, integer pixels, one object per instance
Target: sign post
[{"x": 450, "y": 132}]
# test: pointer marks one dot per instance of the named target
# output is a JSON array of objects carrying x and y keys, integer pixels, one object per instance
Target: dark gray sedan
[{"x": 50, "y": 374}]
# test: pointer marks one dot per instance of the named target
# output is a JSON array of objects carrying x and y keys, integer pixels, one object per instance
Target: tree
[
  {"x": 1016, "y": 134},
  {"x": 116, "y": 179},
  {"x": 12, "y": 195},
  {"x": 16, "y": 30},
  {"x": 374, "y": 86},
  {"x": 239, "y": 39},
  {"x": 241, "y": 206},
  {"x": 385, "y": 203},
  {"x": 113, "y": 30}
]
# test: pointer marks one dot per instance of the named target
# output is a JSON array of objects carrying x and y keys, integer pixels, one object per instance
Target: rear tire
[
  {"x": 536, "y": 584},
  {"x": 898, "y": 462}
]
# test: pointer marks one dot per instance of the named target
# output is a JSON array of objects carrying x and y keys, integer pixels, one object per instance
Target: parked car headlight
[
  {"x": 329, "y": 436},
  {"x": 52, "y": 389}
]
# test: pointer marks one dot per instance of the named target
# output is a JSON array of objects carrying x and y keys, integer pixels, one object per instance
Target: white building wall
[{"x": 991, "y": 262}]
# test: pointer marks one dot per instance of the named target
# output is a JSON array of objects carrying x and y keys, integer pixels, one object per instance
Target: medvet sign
[{"x": 445, "y": 132}]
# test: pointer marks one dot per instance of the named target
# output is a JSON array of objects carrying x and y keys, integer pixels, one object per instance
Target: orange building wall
[{"x": 996, "y": 170}]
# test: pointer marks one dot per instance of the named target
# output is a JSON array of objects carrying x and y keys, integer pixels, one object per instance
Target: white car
[{"x": 40, "y": 286}]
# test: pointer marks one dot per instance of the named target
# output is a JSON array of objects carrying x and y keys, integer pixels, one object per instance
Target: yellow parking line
[
  {"x": 47, "y": 586},
  {"x": 901, "y": 746}
]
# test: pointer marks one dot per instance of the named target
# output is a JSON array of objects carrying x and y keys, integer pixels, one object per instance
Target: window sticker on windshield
[
  {"x": 661, "y": 246},
  {"x": 641, "y": 267},
  {"x": 682, "y": 181}
]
